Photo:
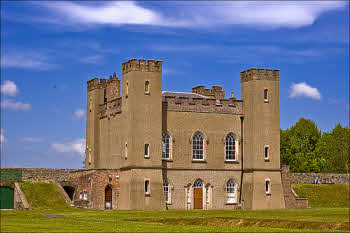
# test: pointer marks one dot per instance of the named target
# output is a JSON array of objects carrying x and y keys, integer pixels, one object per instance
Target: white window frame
[
  {"x": 164, "y": 145},
  {"x": 268, "y": 152},
  {"x": 207, "y": 194},
  {"x": 188, "y": 193},
  {"x": 81, "y": 196},
  {"x": 147, "y": 150},
  {"x": 232, "y": 134},
  {"x": 199, "y": 133},
  {"x": 267, "y": 95},
  {"x": 85, "y": 195},
  {"x": 231, "y": 190},
  {"x": 268, "y": 191},
  {"x": 167, "y": 191}
]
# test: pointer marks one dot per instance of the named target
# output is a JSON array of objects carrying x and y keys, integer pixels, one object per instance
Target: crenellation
[
  {"x": 92, "y": 84},
  {"x": 141, "y": 65},
  {"x": 259, "y": 74},
  {"x": 216, "y": 92}
]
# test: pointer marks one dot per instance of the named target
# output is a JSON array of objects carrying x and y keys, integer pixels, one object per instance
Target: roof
[{"x": 183, "y": 94}]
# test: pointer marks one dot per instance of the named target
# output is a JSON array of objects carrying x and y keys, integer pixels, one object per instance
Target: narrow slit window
[
  {"x": 146, "y": 186},
  {"x": 147, "y": 87},
  {"x": 126, "y": 150},
  {"x": 266, "y": 95},
  {"x": 127, "y": 89},
  {"x": 267, "y": 186},
  {"x": 146, "y": 150},
  {"x": 267, "y": 151}
]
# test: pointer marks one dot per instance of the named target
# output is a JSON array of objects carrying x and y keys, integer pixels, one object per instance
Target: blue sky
[{"x": 50, "y": 49}]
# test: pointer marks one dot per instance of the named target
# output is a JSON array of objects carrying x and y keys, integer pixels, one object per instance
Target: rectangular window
[
  {"x": 147, "y": 87},
  {"x": 267, "y": 148},
  {"x": 146, "y": 186},
  {"x": 81, "y": 195},
  {"x": 207, "y": 194},
  {"x": 85, "y": 196},
  {"x": 146, "y": 150},
  {"x": 266, "y": 95},
  {"x": 126, "y": 150},
  {"x": 188, "y": 194}
]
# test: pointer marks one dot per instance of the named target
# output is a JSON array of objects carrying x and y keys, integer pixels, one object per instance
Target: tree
[
  {"x": 334, "y": 148},
  {"x": 298, "y": 147}
]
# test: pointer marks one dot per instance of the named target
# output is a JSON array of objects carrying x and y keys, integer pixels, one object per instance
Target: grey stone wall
[
  {"x": 308, "y": 178},
  {"x": 46, "y": 174}
]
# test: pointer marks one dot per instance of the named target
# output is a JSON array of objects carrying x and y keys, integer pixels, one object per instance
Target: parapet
[
  {"x": 215, "y": 92},
  {"x": 260, "y": 74},
  {"x": 96, "y": 83},
  {"x": 140, "y": 65},
  {"x": 203, "y": 105}
]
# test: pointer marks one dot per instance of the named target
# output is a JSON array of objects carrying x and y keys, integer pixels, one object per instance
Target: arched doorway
[
  {"x": 70, "y": 191},
  {"x": 198, "y": 194},
  {"x": 108, "y": 197},
  {"x": 6, "y": 198}
]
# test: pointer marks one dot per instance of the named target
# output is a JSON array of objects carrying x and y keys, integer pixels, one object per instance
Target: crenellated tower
[{"x": 261, "y": 159}]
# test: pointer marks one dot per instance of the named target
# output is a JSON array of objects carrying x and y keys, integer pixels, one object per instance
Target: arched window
[
  {"x": 267, "y": 186},
  {"x": 231, "y": 191},
  {"x": 198, "y": 146},
  {"x": 166, "y": 188},
  {"x": 147, "y": 87},
  {"x": 231, "y": 147},
  {"x": 166, "y": 146},
  {"x": 198, "y": 184}
]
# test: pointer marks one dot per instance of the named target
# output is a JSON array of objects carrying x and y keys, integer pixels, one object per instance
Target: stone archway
[
  {"x": 108, "y": 197},
  {"x": 70, "y": 191}
]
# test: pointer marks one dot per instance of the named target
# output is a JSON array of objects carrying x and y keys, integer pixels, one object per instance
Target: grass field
[
  {"x": 324, "y": 195},
  {"x": 45, "y": 199}
]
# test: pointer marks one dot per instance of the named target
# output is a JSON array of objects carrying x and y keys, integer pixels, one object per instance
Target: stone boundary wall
[
  {"x": 43, "y": 173},
  {"x": 308, "y": 178}
]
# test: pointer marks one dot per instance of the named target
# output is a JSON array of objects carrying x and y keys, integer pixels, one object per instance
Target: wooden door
[
  {"x": 108, "y": 194},
  {"x": 198, "y": 198},
  {"x": 6, "y": 198}
]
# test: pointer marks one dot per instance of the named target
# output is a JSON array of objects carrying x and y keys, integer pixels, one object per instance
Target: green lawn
[
  {"x": 45, "y": 199},
  {"x": 81, "y": 220},
  {"x": 324, "y": 195}
]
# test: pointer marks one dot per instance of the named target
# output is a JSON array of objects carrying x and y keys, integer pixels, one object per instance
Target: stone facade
[{"x": 124, "y": 133}]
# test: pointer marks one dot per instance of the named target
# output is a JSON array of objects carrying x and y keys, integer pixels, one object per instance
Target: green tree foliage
[
  {"x": 334, "y": 148},
  {"x": 305, "y": 149}
]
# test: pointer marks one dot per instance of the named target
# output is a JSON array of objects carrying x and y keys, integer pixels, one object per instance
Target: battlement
[
  {"x": 186, "y": 104},
  {"x": 140, "y": 65},
  {"x": 215, "y": 92},
  {"x": 260, "y": 74},
  {"x": 112, "y": 86}
]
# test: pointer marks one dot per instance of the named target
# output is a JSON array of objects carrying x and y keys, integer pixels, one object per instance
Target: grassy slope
[
  {"x": 81, "y": 220},
  {"x": 324, "y": 195},
  {"x": 44, "y": 195}
]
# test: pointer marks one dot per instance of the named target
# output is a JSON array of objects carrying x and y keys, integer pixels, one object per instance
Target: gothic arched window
[
  {"x": 231, "y": 147},
  {"x": 198, "y": 146}
]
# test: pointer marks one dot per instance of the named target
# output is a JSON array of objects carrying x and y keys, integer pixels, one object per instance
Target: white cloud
[
  {"x": 15, "y": 105},
  {"x": 2, "y": 136},
  {"x": 9, "y": 88},
  {"x": 31, "y": 139},
  {"x": 95, "y": 59},
  {"x": 267, "y": 14},
  {"x": 304, "y": 90},
  {"x": 79, "y": 113},
  {"x": 25, "y": 60},
  {"x": 76, "y": 147}
]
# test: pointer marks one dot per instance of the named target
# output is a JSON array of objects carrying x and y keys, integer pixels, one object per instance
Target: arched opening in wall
[
  {"x": 70, "y": 191},
  {"x": 6, "y": 197},
  {"x": 198, "y": 194},
  {"x": 108, "y": 197}
]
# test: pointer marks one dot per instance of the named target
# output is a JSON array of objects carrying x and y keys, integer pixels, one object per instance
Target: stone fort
[
  {"x": 154, "y": 149},
  {"x": 175, "y": 150}
]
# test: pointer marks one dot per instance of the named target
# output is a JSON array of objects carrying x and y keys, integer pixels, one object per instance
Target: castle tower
[
  {"x": 95, "y": 97},
  {"x": 262, "y": 187},
  {"x": 141, "y": 185}
]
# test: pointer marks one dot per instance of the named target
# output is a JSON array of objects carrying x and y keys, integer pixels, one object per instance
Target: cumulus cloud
[
  {"x": 15, "y": 105},
  {"x": 31, "y": 139},
  {"x": 2, "y": 136},
  {"x": 79, "y": 113},
  {"x": 304, "y": 90},
  {"x": 75, "y": 147},
  {"x": 9, "y": 88},
  {"x": 267, "y": 14}
]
